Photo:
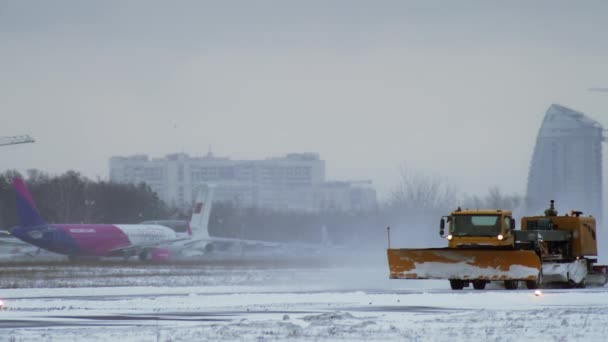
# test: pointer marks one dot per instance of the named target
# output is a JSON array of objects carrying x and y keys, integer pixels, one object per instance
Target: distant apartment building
[
  {"x": 293, "y": 182},
  {"x": 567, "y": 163}
]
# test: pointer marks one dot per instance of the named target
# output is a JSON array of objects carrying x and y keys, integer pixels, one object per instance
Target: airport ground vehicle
[{"x": 484, "y": 246}]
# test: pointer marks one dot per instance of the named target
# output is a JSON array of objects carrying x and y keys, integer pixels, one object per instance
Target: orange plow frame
[{"x": 464, "y": 264}]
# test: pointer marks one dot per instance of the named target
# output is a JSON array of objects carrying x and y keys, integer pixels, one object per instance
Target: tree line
[{"x": 73, "y": 198}]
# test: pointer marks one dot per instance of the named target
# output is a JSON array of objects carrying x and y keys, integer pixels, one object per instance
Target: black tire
[
  {"x": 511, "y": 284},
  {"x": 456, "y": 284},
  {"x": 209, "y": 248},
  {"x": 535, "y": 284},
  {"x": 144, "y": 255},
  {"x": 73, "y": 258},
  {"x": 531, "y": 284},
  {"x": 580, "y": 285},
  {"x": 479, "y": 284}
]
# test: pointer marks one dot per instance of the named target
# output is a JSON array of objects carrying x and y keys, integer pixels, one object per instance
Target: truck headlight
[
  {"x": 449, "y": 237},
  {"x": 500, "y": 237}
]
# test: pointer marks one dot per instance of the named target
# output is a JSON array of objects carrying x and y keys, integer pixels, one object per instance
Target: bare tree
[
  {"x": 421, "y": 192},
  {"x": 415, "y": 206},
  {"x": 495, "y": 199}
]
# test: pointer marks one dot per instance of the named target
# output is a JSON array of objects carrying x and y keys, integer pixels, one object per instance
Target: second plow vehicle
[{"x": 484, "y": 246}]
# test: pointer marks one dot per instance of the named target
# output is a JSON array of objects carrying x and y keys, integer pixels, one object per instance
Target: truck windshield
[{"x": 475, "y": 225}]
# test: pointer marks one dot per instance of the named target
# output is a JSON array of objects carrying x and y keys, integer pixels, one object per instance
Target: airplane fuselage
[{"x": 93, "y": 239}]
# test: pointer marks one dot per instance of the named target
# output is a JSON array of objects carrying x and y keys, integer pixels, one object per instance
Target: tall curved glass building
[{"x": 567, "y": 163}]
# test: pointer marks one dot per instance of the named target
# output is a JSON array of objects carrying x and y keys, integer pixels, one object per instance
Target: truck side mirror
[
  {"x": 441, "y": 227},
  {"x": 512, "y": 223}
]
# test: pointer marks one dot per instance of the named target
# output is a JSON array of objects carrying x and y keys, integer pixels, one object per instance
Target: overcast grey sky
[{"x": 456, "y": 89}]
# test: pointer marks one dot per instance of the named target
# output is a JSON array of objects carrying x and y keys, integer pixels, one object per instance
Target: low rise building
[{"x": 293, "y": 182}]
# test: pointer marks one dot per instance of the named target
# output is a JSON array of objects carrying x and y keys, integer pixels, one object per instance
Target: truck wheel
[
  {"x": 511, "y": 284},
  {"x": 580, "y": 285},
  {"x": 456, "y": 284},
  {"x": 535, "y": 284},
  {"x": 479, "y": 284},
  {"x": 531, "y": 284}
]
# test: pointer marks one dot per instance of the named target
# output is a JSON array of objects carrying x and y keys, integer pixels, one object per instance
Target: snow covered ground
[{"x": 268, "y": 304}]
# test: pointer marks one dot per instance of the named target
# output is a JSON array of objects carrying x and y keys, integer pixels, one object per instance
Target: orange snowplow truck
[{"x": 484, "y": 246}]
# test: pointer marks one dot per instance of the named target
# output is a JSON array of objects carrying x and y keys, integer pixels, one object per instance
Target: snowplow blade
[{"x": 465, "y": 264}]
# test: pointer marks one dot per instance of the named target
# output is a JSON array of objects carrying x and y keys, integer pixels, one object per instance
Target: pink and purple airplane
[{"x": 147, "y": 241}]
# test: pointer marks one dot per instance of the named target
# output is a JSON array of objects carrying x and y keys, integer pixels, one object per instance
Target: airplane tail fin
[
  {"x": 26, "y": 208},
  {"x": 199, "y": 222}
]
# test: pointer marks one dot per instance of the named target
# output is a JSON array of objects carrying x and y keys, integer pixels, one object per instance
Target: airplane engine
[
  {"x": 209, "y": 248},
  {"x": 155, "y": 254},
  {"x": 160, "y": 254}
]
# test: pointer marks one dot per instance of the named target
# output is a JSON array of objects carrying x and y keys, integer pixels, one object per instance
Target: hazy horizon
[{"x": 454, "y": 90}]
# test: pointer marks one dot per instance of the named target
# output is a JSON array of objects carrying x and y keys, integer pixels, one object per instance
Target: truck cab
[{"x": 478, "y": 228}]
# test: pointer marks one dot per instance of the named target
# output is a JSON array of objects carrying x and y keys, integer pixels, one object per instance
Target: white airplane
[{"x": 202, "y": 244}]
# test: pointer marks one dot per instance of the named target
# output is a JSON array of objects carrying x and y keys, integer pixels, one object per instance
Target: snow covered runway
[{"x": 330, "y": 304}]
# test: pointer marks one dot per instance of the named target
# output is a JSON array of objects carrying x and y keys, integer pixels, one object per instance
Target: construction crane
[{"x": 16, "y": 139}]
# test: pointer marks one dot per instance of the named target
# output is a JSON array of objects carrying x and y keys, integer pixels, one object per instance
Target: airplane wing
[
  {"x": 205, "y": 245},
  {"x": 6, "y": 239},
  {"x": 12, "y": 242},
  {"x": 244, "y": 242},
  {"x": 137, "y": 248},
  {"x": 227, "y": 246}
]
